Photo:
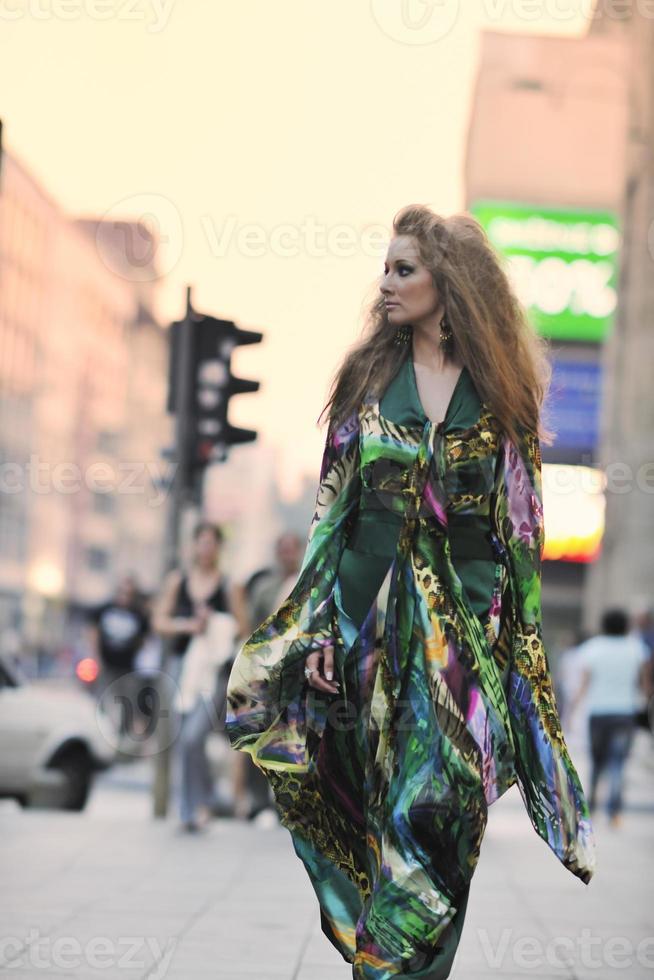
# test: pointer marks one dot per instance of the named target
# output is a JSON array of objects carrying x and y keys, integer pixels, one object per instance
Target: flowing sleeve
[
  {"x": 265, "y": 713},
  {"x": 547, "y": 779},
  {"x": 338, "y": 485},
  {"x": 337, "y": 498}
]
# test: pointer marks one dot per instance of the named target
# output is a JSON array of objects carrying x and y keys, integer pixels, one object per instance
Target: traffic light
[{"x": 212, "y": 384}]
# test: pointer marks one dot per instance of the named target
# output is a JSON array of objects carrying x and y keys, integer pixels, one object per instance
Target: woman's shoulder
[
  {"x": 220, "y": 596},
  {"x": 174, "y": 578}
]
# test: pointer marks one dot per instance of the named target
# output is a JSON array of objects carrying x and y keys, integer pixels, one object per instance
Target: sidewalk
[{"x": 91, "y": 896}]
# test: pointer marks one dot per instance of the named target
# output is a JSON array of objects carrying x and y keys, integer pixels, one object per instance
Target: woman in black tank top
[
  {"x": 185, "y": 608},
  {"x": 187, "y": 597},
  {"x": 186, "y": 601}
]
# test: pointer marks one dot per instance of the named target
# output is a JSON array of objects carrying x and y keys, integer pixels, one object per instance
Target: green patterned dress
[
  {"x": 369, "y": 551},
  {"x": 378, "y": 526},
  {"x": 445, "y": 695}
]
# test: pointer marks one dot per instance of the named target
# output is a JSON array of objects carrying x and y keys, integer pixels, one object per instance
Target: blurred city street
[
  {"x": 315, "y": 382},
  {"x": 114, "y": 893}
]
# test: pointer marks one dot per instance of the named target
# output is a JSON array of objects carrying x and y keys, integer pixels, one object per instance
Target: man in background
[
  {"x": 264, "y": 593},
  {"x": 614, "y": 669},
  {"x": 268, "y": 588},
  {"x": 117, "y": 631}
]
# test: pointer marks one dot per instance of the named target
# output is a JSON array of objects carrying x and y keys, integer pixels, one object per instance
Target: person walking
[
  {"x": 567, "y": 678},
  {"x": 642, "y": 626},
  {"x": 403, "y": 686},
  {"x": 264, "y": 591},
  {"x": 183, "y": 610},
  {"x": 117, "y": 631},
  {"x": 614, "y": 672}
]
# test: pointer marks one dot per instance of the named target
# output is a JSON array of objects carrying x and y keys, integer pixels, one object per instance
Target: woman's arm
[
  {"x": 548, "y": 781},
  {"x": 163, "y": 622},
  {"x": 267, "y": 674},
  {"x": 580, "y": 694}
]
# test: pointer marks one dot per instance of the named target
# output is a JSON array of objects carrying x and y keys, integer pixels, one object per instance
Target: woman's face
[
  {"x": 406, "y": 284},
  {"x": 206, "y": 548}
]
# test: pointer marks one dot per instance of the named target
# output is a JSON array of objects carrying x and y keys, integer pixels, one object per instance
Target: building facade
[{"x": 83, "y": 368}]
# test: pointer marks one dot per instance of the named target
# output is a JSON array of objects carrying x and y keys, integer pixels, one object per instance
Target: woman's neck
[
  {"x": 205, "y": 571},
  {"x": 427, "y": 351}
]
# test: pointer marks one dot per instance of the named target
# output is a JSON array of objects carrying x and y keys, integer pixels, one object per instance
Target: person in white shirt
[
  {"x": 614, "y": 673},
  {"x": 567, "y": 680}
]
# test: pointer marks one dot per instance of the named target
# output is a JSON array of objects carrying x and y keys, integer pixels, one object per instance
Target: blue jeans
[
  {"x": 611, "y": 737},
  {"x": 196, "y": 781},
  {"x": 196, "y": 785}
]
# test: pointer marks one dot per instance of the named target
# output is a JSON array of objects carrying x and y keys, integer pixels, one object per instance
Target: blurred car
[{"x": 51, "y": 741}]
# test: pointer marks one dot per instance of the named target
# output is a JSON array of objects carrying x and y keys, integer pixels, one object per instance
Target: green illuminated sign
[{"x": 562, "y": 263}]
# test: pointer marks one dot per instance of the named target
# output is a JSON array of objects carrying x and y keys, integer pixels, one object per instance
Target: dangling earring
[
  {"x": 403, "y": 334},
  {"x": 446, "y": 335}
]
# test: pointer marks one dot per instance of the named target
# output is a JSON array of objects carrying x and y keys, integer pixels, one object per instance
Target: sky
[{"x": 268, "y": 144}]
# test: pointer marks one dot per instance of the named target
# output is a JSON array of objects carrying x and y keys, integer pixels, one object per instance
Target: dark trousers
[
  {"x": 117, "y": 689},
  {"x": 611, "y": 737}
]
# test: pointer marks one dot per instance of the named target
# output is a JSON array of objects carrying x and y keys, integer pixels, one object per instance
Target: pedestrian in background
[
  {"x": 264, "y": 591},
  {"x": 117, "y": 631},
  {"x": 642, "y": 626},
  {"x": 187, "y": 600},
  {"x": 614, "y": 671},
  {"x": 265, "y": 587},
  {"x": 567, "y": 680}
]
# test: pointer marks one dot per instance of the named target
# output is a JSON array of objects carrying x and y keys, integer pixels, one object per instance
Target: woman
[
  {"x": 403, "y": 685},
  {"x": 182, "y": 611}
]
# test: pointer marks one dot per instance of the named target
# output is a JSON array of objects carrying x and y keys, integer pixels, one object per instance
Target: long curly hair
[{"x": 506, "y": 358}]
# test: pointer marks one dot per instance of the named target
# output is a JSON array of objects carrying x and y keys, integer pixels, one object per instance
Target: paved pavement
[{"x": 112, "y": 893}]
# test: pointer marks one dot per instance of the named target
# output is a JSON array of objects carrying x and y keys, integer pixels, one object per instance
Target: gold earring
[{"x": 446, "y": 335}]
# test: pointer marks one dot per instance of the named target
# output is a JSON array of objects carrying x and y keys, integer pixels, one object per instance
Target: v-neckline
[{"x": 414, "y": 382}]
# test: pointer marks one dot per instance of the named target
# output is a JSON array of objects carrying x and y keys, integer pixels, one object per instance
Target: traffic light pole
[
  {"x": 178, "y": 499},
  {"x": 200, "y": 386}
]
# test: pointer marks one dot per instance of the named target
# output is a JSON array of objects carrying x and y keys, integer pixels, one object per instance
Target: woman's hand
[
  {"x": 200, "y": 619},
  {"x": 316, "y": 679}
]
